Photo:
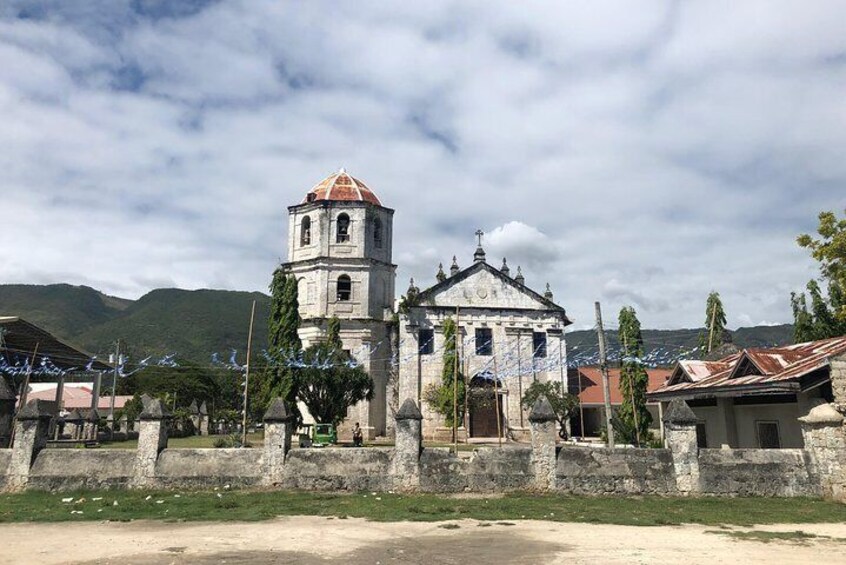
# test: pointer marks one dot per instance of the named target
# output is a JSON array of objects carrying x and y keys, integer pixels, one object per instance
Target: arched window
[
  {"x": 305, "y": 231},
  {"x": 344, "y": 288},
  {"x": 377, "y": 233},
  {"x": 343, "y": 229}
]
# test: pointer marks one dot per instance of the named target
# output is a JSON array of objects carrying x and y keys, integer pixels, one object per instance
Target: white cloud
[{"x": 637, "y": 155}]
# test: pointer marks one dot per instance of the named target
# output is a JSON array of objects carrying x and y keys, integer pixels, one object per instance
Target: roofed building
[
  {"x": 754, "y": 397},
  {"x": 508, "y": 337}
]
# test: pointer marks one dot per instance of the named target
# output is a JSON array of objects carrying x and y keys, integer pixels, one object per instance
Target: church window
[
  {"x": 343, "y": 234},
  {"x": 484, "y": 341},
  {"x": 539, "y": 345},
  {"x": 305, "y": 231},
  {"x": 377, "y": 233},
  {"x": 426, "y": 342},
  {"x": 344, "y": 288}
]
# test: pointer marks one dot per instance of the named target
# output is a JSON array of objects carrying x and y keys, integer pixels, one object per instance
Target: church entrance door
[{"x": 483, "y": 404}]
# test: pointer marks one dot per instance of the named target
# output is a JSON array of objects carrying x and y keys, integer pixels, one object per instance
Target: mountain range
[{"x": 194, "y": 324}]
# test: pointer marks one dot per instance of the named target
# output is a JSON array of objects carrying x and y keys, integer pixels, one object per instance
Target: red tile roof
[
  {"x": 754, "y": 367},
  {"x": 79, "y": 398},
  {"x": 344, "y": 187},
  {"x": 589, "y": 383}
]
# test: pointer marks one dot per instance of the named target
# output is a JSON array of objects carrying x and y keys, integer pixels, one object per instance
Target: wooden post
[
  {"x": 496, "y": 399},
  {"x": 247, "y": 376},
  {"x": 603, "y": 367}
]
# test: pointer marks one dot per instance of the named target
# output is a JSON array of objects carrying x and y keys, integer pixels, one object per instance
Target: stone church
[{"x": 340, "y": 250}]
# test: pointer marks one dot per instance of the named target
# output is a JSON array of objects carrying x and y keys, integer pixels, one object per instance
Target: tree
[
  {"x": 562, "y": 402},
  {"x": 633, "y": 419},
  {"x": 715, "y": 333},
  {"x": 442, "y": 398},
  {"x": 284, "y": 345},
  {"x": 331, "y": 380},
  {"x": 827, "y": 315}
]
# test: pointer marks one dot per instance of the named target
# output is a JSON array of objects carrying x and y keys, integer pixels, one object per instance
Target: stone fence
[{"x": 679, "y": 469}]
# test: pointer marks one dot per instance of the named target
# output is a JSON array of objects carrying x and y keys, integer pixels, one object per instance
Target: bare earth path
[{"x": 313, "y": 540}]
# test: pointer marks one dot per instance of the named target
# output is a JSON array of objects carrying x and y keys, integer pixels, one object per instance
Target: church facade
[{"x": 340, "y": 250}]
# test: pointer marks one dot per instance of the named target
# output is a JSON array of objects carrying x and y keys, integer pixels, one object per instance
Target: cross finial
[{"x": 479, "y": 234}]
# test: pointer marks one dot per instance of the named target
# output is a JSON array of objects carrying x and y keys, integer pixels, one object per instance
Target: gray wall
[
  {"x": 756, "y": 472},
  {"x": 615, "y": 471}
]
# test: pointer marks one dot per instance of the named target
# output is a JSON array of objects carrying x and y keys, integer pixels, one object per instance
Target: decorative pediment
[{"x": 483, "y": 286}]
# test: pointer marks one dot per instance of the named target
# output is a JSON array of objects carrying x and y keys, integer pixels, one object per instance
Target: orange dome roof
[{"x": 342, "y": 186}]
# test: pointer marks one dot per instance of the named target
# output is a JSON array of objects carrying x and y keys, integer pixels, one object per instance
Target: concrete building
[
  {"x": 509, "y": 337},
  {"x": 586, "y": 383},
  {"x": 340, "y": 250},
  {"x": 754, "y": 398}
]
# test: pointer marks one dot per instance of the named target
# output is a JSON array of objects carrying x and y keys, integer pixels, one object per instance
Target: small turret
[
  {"x": 453, "y": 270},
  {"x": 412, "y": 291},
  {"x": 520, "y": 278},
  {"x": 479, "y": 255},
  {"x": 548, "y": 293},
  {"x": 441, "y": 275},
  {"x": 504, "y": 269}
]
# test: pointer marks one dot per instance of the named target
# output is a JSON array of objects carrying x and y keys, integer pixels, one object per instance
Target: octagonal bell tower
[{"x": 340, "y": 250}]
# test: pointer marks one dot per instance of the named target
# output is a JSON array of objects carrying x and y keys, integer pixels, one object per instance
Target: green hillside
[
  {"x": 62, "y": 309},
  {"x": 196, "y": 323}
]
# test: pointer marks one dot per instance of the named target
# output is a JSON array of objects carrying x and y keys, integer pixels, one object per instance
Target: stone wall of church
[{"x": 512, "y": 358}]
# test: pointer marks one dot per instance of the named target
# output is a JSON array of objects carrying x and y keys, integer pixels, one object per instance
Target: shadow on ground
[{"x": 472, "y": 547}]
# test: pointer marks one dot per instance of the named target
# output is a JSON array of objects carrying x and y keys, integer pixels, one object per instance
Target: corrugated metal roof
[{"x": 756, "y": 367}]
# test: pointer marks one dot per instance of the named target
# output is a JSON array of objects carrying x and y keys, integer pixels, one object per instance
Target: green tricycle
[{"x": 317, "y": 435}]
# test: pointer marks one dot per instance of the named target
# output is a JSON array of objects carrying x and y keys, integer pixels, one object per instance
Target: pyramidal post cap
[
  {"x": 36, "y": 409},
  {"x": 409, "y": 411},
  {"x": 542, "y": 411},
  {"x": 153, "y": 409},
  {"x": 278, "y": 411},
  {"x": 678, "y": 412}
]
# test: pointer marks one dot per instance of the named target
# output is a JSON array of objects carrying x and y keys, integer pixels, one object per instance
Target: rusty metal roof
[
  {"x": 765, "y": 368},
  {"x": 586, "y": 383},
  {"x": 341, "y": 186}
]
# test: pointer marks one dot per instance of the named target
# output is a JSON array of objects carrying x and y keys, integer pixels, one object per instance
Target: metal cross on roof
[{"x": 479, "y": 234}]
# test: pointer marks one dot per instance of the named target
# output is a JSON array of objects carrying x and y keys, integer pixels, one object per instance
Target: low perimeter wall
[{"x": 679, "y": 469}]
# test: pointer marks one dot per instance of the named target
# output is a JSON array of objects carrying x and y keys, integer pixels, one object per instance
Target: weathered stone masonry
[{"x": 679, "y": 469}]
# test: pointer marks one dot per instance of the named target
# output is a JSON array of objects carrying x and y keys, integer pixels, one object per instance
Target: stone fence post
[
  {"x": 825, "y": 443},
  {"x": 204, "y": 419},
  {"x": 152, "y": 440},
  {"x": 278, "y": 429},
  {"x": 544, "y": 433},
  {"x": 91, "y": 427},
  {"x": 31, "y": 436},
  {"x": 405, "y": 464},
  {"x": 680, "y": 432}
]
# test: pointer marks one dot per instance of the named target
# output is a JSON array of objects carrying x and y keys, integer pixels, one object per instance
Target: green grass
[
  {"x": 255, "y": 439},
  {"x": 248, "y": 505}
]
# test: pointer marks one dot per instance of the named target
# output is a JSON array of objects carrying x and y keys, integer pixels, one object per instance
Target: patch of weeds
[
  {"x": 506, "y": 524},
  {"x": 796, "y": 536},
  {"x": 484, "y": 524},
  {"x": 449, "y": 526}
]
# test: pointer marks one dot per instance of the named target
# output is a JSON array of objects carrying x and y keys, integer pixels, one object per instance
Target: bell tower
[{"x": 340, "y": 250}]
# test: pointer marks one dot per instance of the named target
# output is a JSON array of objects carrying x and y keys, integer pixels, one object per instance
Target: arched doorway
[{"x": 483, "y": 404}]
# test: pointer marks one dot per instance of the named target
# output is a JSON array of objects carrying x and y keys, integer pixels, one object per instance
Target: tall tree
[
  {"x": 442, "y": 398},
  {"x": 280, "y": 378},
  {"x": 715, "y": 333},
  {"x": 331, "y": 380},
  {"x": 632, "y": 419},
  {"x": 827, "y": 315}
]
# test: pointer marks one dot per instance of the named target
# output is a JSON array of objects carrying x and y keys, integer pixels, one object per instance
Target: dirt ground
[{"x": 313, "y": 541}]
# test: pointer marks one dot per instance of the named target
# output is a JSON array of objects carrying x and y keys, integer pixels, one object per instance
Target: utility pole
[
  {"x": 603, "y": 367},
  {"x": 117, "y": 363},
  {"x": 247, "y": 376}
]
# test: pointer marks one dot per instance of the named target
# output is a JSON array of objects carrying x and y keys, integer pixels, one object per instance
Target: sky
[{"x": 634, "y": 153}]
